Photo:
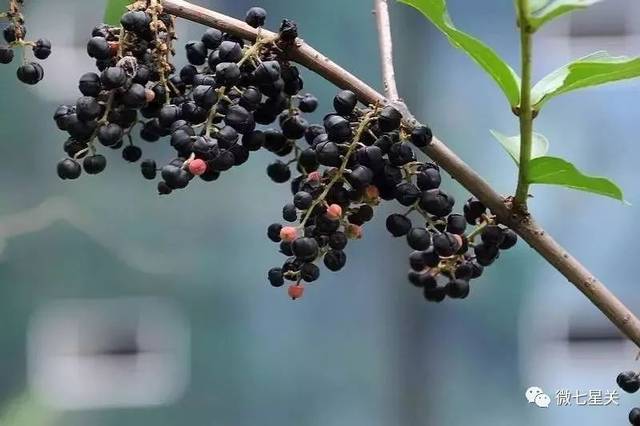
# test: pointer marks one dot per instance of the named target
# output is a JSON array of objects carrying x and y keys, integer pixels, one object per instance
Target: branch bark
[{"x": 524, "y": 225}]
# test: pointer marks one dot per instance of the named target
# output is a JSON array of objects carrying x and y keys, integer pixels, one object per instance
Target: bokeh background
[{"x": 362, "y": 347}]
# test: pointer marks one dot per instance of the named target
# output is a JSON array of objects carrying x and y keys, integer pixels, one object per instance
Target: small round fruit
[
  {"x": 398, "y": 225},
  {"x": 69, "y": 169},
  {"x": 131, "y": 153},
  {"x": 149, "y": 169},
  {"x": 334, "y": 212},
  {"x": 276, "y": 277},
  {"x": 30, "y": 73},
  {"x": 197, "y": 167},
  {"x": 628, "y": 381},
  {"x": 458, "y": 289},
  {"x": 256, "y": 17},
  {"x": 419, "y": 238},
  {"x": 295, "y": 291},
  {"x": 288, "y": 233},
  {"x": 335, "y": 260},
  {"x": 42, "y": 49},
  {"x": 94, "y": 164},
  {"x": 6, "y": 55},
  {"x": 308, "y": 103}
]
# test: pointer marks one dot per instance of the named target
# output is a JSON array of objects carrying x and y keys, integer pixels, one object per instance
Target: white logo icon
[
  {"x": 542, "y": 400},
  {"x": 535, "y": 395}
]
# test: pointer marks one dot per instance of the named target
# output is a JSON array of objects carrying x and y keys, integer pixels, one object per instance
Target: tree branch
[
  {"x": 386, "y": 49},
  {"x": 525, "y": 226}
]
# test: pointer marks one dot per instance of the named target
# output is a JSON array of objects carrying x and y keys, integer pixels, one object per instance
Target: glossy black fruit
[
  {"x": 458, "y": 289},
  {"x": 6, "y": 55},
  {"x": 279, "y": 172},
  {"x": 256, "y": 17},
  {"x": 419, "y": 239},
  {"x": 335, "y": 260},
  {"x": 42, "y": 48},
  {"x": 94, "y": 164},
  {"x": 628, "y": 381},
  {"x": 30, "y": 73},
  {"x": 275, "y": 277},
  {"x": 69, "y": 169},
  {"x": 344, "y": 102},
  {"x": 398, "y": 225}
]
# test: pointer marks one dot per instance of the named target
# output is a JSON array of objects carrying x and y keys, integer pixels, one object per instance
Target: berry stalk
[
  {"x": 164, "y": 49},
  {"x": 339, "y": 174}
]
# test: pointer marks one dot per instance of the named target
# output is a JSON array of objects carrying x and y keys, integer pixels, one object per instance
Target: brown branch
[
  {"x": 386, "y": 49},
  {"x": 525, "y": 226}
]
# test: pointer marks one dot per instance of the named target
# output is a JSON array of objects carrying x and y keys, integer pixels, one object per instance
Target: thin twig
[
  {"x": 526, "y": 113},
  {"x": 386, "y": 49},
  {"x": 524, "y": 226}
]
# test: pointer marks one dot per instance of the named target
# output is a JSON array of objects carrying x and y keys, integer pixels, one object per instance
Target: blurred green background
[{"x": 362, "y": 347}]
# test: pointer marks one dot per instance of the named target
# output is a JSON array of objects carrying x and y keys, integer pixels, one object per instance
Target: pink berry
[
  {"x": 288, "y": 233},
  {"x": 353, "y": 231},
  {"x": 334, "y": 212},
  {"x": 197, "y": 167},
  {"x": 314, "y": 177}
]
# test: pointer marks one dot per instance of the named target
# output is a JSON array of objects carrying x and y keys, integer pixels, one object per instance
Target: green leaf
[
  {"x": 511, "y": 144},
  {"x": 556, "y": 171},
  {"x": 115, "y": 9},
  {"x": 595, "y": 69},
  {"x": 554, "y": 8},
  {"x": 487, "y": 58}
]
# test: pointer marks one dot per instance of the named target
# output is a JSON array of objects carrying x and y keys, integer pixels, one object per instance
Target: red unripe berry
[
  {"x": 197, "y": 167},
  {"x": 295, "y": 291},
  {"x": 288, "y": 233},
  {"x": 353, "y": 232},
  {"x": 314, "y": 177},
  {"x": 334, "y": 212},
  {"x": 149, "y": 95},
  {"x": 371, "y": 194}
]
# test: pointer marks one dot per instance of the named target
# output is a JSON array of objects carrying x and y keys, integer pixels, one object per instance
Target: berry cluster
[
  {"x": 211, "y": 108},
  {"x": 629, "y": 381},
  {"x": 330, "y": 206},
  {"x": 14, "y": 34},
  {"x": 369, "y": 156},
  {"x": 134, "y": 65},
  {"x": 446, "y": 257}
]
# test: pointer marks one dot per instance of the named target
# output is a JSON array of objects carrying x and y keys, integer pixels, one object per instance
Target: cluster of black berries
[
  {"x": 367, "y": 155},
  {"x": 446, "y": 256},
  {"x": 629, "y": 381},
  {"x": 14, "y": 34},
  {"x": 210, "y": 108},
  {"x": 134, "y": 65},
  {"x": 231, "y": 87},
  {"x": 362, "y": 153}
]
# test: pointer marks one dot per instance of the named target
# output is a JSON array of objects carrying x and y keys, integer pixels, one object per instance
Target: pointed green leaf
[
  {"x": 595, "y": 69},
  {"x": 487, "y": 58},
  {"x": 511, "y": 144},
  {"x": 554, "y": 8},
  {"x": 115, "y": 9},
  {"x": 556, "y": 171}
]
